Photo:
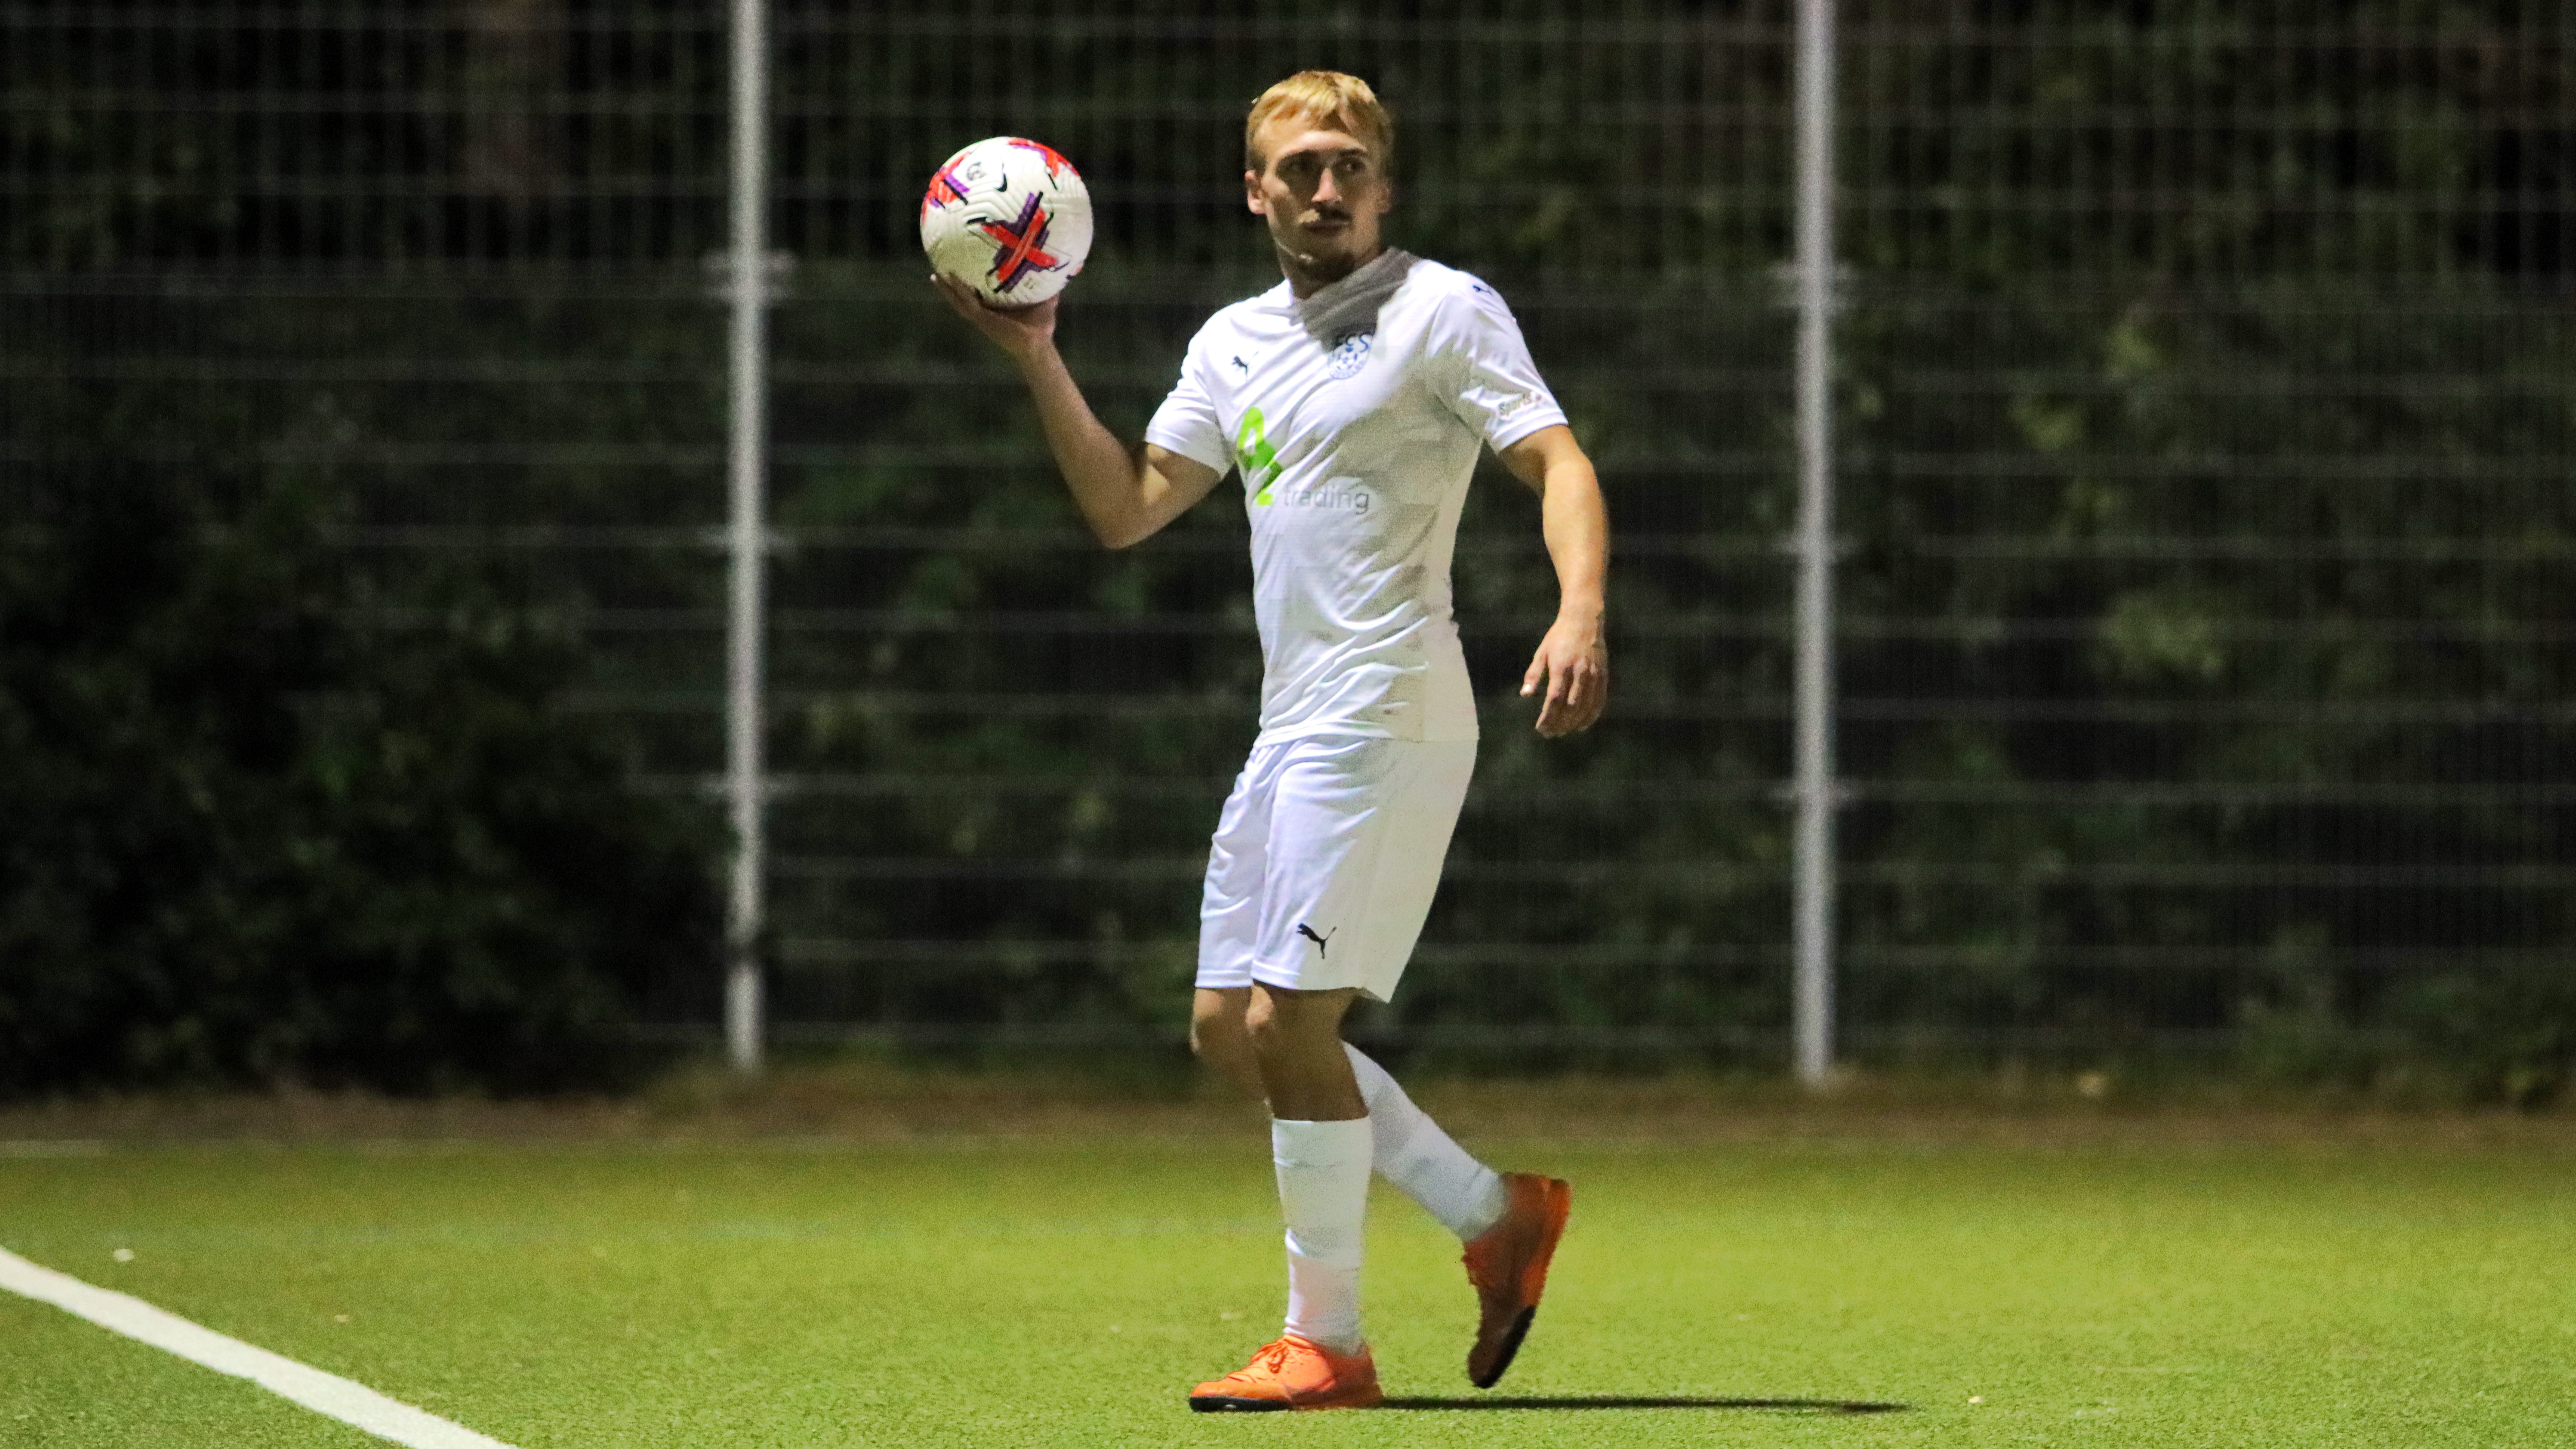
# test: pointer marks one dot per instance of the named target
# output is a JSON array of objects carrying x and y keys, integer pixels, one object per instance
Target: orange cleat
[
  {"x": 1293, "y": 1374},
  {"x": 1507, "y": 1264}
]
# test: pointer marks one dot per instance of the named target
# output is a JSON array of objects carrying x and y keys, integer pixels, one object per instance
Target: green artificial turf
[{"x": 1068, "y": 1291}]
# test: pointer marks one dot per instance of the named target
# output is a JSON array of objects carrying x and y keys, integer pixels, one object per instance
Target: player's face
[{"x": 1322, "y": 192}]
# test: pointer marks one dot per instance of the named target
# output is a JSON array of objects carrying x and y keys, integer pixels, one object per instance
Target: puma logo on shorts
[{"x": 1321, "y": 941}]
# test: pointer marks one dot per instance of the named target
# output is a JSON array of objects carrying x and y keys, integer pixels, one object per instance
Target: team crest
[{"x": 1349, "y": 355}]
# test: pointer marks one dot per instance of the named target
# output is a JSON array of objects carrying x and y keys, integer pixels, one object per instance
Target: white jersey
[{"x": 1355, "y": 417}]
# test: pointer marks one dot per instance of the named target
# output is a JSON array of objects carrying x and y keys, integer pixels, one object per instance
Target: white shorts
[{"x": 1325, "y": 861}]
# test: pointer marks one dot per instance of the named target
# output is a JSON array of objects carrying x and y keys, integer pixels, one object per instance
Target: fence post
[
  {"x": 1812, "y": 931},
  {"x": 748, "y": 273}
]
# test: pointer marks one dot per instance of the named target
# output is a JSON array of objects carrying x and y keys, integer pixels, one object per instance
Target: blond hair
[{"x": 1345, "y": 101}]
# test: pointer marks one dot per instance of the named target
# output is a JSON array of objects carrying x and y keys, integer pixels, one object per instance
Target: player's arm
[
  {"x": 1573, "y": 661},
  {"x": 1125, "y": 496}
]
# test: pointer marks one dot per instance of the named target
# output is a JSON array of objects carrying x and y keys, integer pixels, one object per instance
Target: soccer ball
[{"x": 1009, "y": 218}]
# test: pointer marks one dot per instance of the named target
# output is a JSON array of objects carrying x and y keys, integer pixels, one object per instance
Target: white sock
[
  {"x": 1423, "y": 1161},
  {"x": 1323, "y": 1192}
]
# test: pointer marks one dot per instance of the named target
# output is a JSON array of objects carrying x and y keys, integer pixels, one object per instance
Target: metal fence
[{"x": 2204, "y": 380}]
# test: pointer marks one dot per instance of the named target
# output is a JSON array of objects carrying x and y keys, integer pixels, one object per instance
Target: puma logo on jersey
[
  {"x": 1308, "y": 932},
  {"x": 1242, "y": 366}
]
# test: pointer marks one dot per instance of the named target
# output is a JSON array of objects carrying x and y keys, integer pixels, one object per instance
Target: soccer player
[{"x": 1353, "y": 400}]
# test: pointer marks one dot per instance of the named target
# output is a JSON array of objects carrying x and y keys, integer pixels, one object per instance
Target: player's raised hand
[
  {"x": 1573, "y": 665},
  {"x": 1018, "y": 331}
]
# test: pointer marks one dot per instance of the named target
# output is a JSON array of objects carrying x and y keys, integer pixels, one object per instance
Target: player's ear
[{"x": 1253, "y": 201}]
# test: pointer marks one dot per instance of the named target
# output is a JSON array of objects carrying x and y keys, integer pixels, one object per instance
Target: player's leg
[
  {"x": 1424, "y": 1162},
  {"x": 1313, "y": 1157},
  {"x": 1509, "y": 1222},
  {"x": 1219, "y": 1038},
  {"x": 1296, "y": 1039},
  {"x": 1334, "y": 818},
  {"x": 1320, "y": 848},
  {"x": 1407, "y": 1148},
  {"x": 1321, "y": 1146},
  {"x": 1320, "y": 1151}
]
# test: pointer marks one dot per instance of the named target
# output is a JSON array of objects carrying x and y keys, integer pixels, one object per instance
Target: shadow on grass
[{"x": 1631, "y": 1401}]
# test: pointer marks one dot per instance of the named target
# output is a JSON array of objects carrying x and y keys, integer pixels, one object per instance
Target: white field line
[{"x": 350, "y": 1403}]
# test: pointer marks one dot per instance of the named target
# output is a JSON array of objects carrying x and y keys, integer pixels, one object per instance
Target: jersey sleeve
[
  {"x": 1187, "y": 423},
  {"x": 1488, "y": 379}
]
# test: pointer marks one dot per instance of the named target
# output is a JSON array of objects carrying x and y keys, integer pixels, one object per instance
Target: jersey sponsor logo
[
  {"x": 1321, "y": 941},
  {"x": 1349, "y": 356},
  {"x": 1341, "y": 495},
  {"x": 1260, "y": 461},
  {"x": 1521, "y": 404}
]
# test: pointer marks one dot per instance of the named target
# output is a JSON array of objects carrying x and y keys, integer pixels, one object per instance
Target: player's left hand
[{"x": 1573, "y": 665}]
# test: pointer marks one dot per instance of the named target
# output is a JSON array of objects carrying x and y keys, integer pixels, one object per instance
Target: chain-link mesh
[
  {"x": 2205, "y": 389},
  {"x": 2209, "y": 369}
]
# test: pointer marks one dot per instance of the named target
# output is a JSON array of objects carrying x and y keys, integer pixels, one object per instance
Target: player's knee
[
  {"x": 1217, "y": 1031},
  {"x": 1260, "y": 1018},
  {"x": 1207, "y": 1039},
  {"x": 1279, "y": 1020}
]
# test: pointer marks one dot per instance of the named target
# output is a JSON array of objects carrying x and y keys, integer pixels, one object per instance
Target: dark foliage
[{"x": 253, "y": 836}]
